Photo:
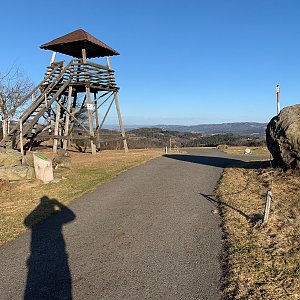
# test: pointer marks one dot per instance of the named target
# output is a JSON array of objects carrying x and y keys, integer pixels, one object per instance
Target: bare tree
[{"x": 14, "y": 88}]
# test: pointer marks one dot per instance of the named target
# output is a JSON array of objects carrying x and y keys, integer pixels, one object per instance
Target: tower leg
[
  {"x": 66, "y": 132},
  {"x": 91, "y": 123},
  {"x": 57, "y": 117},
  {"x": 120, "y": 121},
  {"x": 97, "y": 122}
]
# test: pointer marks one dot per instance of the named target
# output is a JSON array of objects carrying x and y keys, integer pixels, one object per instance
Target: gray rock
[
  {"x": 17, "y": 173},
  {"x": 283, "y": 138},
  {"x": 62, "y": 159}
]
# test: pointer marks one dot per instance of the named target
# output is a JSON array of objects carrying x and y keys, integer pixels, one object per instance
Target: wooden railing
[{"x": 86, "y": 73}]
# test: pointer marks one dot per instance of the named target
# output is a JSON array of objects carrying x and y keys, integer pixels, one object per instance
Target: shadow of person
[{"x": 48, "y": 275}]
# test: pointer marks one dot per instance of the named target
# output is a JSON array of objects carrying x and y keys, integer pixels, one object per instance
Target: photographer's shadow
[{"x": 48, "y": 274}]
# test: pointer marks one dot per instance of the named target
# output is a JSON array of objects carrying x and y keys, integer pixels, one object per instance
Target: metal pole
[{"x": 278, "y": 98}]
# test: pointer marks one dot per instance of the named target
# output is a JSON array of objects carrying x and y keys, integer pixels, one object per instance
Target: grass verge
[
  {"x": 88, "y": 171},
  {"x": 241, "y": 149},
  {"x": 260, "y": 261}
]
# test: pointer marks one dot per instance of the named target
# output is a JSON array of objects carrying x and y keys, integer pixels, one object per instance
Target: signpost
[{"x": 278, "y": 98}]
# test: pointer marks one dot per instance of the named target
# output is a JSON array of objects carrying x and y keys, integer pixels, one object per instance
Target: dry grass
[
  {"x": 241, "y": 149},
  {"x": 260, "y": 262},
  {"x": 88, "y": 171}
]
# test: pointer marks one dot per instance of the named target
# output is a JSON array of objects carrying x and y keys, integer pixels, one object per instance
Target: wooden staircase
[
  {"x": 53, "y": 85},
  {"x": 55, "y": 103}
]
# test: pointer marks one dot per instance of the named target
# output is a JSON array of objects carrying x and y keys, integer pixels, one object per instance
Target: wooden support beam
[
  {"x": 52, "y": 58},
  {"x": 104, "y": 118},
  {"x": 83, "y": 56},
  {"x": 108, "y": 63},
  {"x": 118, "y": 111},
  {"x": 57, "y": 117},
  {"x": 90, "y": 114},
  {"x": 97, "y": 122},
  {"x": 120, "y": 121},
  {"x": 21, "y": 138},
  {"x": 66, "y": 131},
  {"x": 105, "y": 100}
]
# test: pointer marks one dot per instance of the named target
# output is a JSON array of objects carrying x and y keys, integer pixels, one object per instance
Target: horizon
[{"x": 145, "y": 125}]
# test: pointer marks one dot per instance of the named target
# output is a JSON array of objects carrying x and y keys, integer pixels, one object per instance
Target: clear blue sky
[{"x": 181, "y": 62}]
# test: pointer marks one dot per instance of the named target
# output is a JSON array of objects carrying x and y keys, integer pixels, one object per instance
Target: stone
[
  {"x": 43, "y": 167},
  {"x": 17, "y": 173},
  {"x": 28, "y": 160},
  {"x": 62, "y": 159},
  {"x": 10, "y": 158},
  {"x": 283, "y": 138},
  {"x": 222, "y": 147},
  {"x": 8, "y": 151},
  {"x": 247, "y": 151}
]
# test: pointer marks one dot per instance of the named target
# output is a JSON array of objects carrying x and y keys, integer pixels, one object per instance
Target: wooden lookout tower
[{"x": 65, "y": 105}]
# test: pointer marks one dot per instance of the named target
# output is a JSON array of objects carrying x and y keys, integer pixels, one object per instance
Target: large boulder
[
  {"x": 17, "y": 173},
  {"x": 283, "y": 138},
  {"x": 10, "y": 158}
]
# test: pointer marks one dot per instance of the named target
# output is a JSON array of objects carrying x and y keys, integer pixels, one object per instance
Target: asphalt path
[{"x": 150, "y": 233}]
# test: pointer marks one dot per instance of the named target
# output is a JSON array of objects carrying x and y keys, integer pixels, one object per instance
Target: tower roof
[{"x": 73, "y": 42}]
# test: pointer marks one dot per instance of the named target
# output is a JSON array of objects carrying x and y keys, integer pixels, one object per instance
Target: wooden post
[
  {"x": 52, "y": 58},
  {"x": 118, "y": 111},
  {"x": 66, "y": 131},
  {"x": 108, "y": 62},
  {"x": 21, "y": 138},
  {"x": 83, "y": 55},
  {"x": 73, "y": 112},
  {"x": 267, "y": 207},
  {"x": 89, "y": 108},
  {"x": 57, "y": 117},
  {"x": 4, "y": 127},
  {"x": 97, "y": 122},
  {"x": 278, "y": 98},
  {"x": 120, "y": 121},
  {"x": 104, "y": 118},
  {"x": 90, "y": 113}
]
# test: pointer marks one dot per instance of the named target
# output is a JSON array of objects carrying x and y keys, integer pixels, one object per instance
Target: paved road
[{"x": 147, "y": 234}]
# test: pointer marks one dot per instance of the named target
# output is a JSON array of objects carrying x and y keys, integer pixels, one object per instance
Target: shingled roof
[{"x": 73, "y": 42}]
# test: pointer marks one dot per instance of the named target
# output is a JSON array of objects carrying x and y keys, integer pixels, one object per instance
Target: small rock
[
  {"x": 55, "y": 180},
  {"x": 62, "y": 159},
  {"x": 247, "y": 151},
  {"x": 222, "y": 147}
]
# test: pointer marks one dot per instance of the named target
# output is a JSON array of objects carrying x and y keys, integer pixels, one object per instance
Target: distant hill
[
  {"x": 158, "y": 137},
  {"x": 240, "y": 128}
]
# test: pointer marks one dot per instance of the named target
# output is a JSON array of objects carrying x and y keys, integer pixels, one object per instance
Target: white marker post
[{"x": 278, "y": 98}]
